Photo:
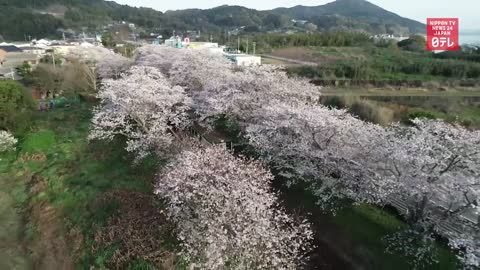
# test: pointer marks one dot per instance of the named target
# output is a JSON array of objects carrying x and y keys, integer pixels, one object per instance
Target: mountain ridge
[{"x": 21, "y": 18}]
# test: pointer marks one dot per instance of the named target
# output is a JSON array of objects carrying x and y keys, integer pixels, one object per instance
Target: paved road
[{"x": 293, "y": 61}]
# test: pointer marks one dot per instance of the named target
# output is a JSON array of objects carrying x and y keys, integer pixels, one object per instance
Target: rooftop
[{"x": 10, "y": 48}]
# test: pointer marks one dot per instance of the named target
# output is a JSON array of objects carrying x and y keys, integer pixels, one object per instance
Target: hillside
[
  {"x": 43, "y": 18},
  {"x": 356, "y": 15},
  {"x": 39, "y": 18}
]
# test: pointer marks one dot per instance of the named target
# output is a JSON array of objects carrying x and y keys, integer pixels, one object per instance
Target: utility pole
[
  {"x": 238, "y": 46},
  {"x": 247, "y": 45},
  {"x": 53, "y": 59},
  {"x": 254, "y": 47}
]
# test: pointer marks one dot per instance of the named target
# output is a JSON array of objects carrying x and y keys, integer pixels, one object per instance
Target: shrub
[
  {"x": 7, "y": 142},
  {"x": 415, "y": 43},
  {"x": 15, "y": 107},
  {"x": 372, "y": 112},
  {"x": 334, "y": 102}
]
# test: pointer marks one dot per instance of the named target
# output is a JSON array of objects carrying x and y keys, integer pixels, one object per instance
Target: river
[{"x": 471, "y": 39}]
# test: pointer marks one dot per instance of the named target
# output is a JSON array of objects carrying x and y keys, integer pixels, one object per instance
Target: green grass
[
  {"x": 470, "y": 116},
  {"x": 13, "y": 198},
  {"x": 368, "y": 224},
  {"x": 39, "y": 142},
  {"x": 141, "y": 265},
  {"x": 77, "y": 173},
  {"x": 382, "y": 92},
  {"x": 104, "y": 255}
]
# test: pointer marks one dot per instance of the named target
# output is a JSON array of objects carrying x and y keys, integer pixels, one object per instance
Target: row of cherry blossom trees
[
  {"x": 225, "y": 213},
  {"x": 432, "y": 165},
  {"x": 105, "y": 62}
]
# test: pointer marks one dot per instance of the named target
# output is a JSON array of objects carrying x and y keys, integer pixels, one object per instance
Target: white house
[
  {"x": 245, "y": 59},
  {"x": 34, "y": 50}
]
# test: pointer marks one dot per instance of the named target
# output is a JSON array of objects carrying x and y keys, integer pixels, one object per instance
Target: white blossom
[
  {"x": 433, "y": 166},
  {"x": 218, "y": 87},
  {"x": 7, "y": 141},
  {"x": 105, "y": 63},
  {"x": 143, "y": 107},
  {"x": 226, "y": 214}
]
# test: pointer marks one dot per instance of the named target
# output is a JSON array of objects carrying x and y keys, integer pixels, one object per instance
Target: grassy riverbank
[{"x": 68, "y": 194}]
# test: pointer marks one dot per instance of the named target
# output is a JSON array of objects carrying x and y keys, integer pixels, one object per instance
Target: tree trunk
[{"x": 418, "y": 213}]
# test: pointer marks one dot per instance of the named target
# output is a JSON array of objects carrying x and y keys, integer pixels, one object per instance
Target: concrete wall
[{"x": 248, "y": 60}]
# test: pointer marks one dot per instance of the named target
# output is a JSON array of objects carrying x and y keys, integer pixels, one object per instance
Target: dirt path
[
  {"x": 50, "y": 249},
  {"x": 47, "y": 247},
  {"x": 13, "y": 251}
]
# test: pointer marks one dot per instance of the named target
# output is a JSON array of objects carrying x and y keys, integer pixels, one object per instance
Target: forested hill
[
  {"x": 43, "y": 18},
  {"x": 40, "y": 18},
  {"x": 354, "y": 14}
]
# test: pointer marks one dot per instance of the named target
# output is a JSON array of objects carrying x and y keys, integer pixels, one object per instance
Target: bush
[
  {"x": 16, "y": 106},
  {"x": 421, "y": 114},
  {"x": 371, "y": 112},
  {"x": 415, "y": 43},
  {"x": 7, "y": 141},
  {"x": 409, "y": 117},
  {"x": 334, "y": 102}
]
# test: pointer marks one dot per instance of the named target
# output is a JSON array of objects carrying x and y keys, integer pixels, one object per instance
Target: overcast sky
[{"x": 466, "y": 10}]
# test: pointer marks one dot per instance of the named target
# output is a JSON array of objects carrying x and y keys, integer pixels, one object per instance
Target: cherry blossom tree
[
  {"x": 432, "y": 166},
  {"x": 100, "y": 61},
  {"x": 143, "y": 107},
  {"x": 439, "y": 163},
  {"x": 111, "y": 65},
  {"x": 226, "y": 214},
  {"x": 338, "y": 153},
  {"x": 161, "y": 57},
  {"x": 469, "y": 246},
  {"x": 7, "y": 141},
  {"x": 439, "y": 175},
  {"x": 218, "y": 87}
]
